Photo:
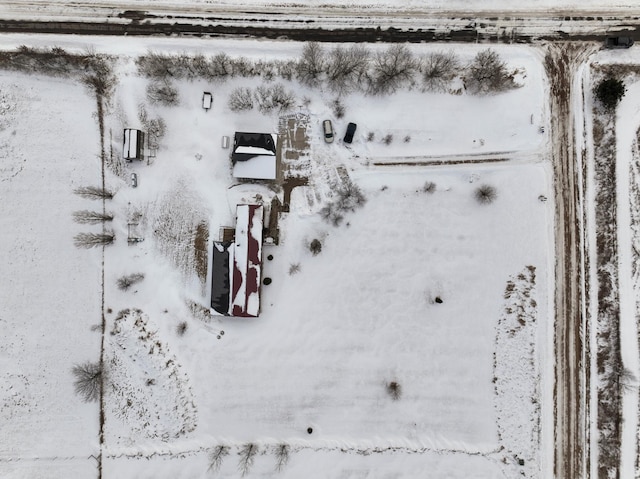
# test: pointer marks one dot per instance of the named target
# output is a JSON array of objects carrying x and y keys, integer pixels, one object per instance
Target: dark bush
[
  {"x": 315, "y": 247},
  {"x": 609, "y": 92}
]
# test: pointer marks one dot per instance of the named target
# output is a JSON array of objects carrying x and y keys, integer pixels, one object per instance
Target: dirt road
[
  {"x": 571, "y": 391},
  {"x": 305, "y": 23}
]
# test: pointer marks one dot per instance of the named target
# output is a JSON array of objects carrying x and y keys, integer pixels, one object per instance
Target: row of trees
[
  {"x": 343, "y": 69},
  {"x": 247, "y": 454}
]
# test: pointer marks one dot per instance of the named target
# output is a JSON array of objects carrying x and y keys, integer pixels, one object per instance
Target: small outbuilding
[
  {"x": 133, "y": 145},
  {"x": 254, "y": 156}
]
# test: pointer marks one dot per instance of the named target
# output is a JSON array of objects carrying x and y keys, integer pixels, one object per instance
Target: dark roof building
[
  {"x": 133, "y": 144},
  {"x": 254, "y": 155}
]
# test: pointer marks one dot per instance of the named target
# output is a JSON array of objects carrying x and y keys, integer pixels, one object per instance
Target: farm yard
[{"x": 415, "y": 337}]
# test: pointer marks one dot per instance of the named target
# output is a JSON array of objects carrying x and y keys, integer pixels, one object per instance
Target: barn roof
[{"x": 236, "y": 267}]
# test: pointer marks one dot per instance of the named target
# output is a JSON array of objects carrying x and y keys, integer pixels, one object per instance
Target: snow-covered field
[
  {"x": 50, "y": 290},
  {"x": 474, "y": 370}
]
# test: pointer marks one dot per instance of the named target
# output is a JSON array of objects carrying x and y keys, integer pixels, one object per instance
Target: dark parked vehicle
[
  {"x": 351, "y": 129},
  {"x": 619, "y": 42}
]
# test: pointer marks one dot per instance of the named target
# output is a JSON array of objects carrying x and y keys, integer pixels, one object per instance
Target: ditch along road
[{"x": 562, "y": 60}]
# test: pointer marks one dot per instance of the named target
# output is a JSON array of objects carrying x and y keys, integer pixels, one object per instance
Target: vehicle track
[
  {"x": 305, "y": 23},
  {"x": 571, "y": 391}
]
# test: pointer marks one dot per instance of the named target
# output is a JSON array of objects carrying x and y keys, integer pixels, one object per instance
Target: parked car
[
  {"x": 619, "y": 42},
  {"x": 134, "y": 180},
  {"x": 351, "y": 130},
  {"x": 327, "y": 127}
]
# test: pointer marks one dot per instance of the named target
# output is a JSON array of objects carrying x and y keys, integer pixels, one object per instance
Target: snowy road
[{"x": 309, "y": 22}]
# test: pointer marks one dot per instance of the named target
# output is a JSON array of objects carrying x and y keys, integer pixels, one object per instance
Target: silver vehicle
[
  {"x": 134, "y": 180},
  {"x": 327, "y": 127}
]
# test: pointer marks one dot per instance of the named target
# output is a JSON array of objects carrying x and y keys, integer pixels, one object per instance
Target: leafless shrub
[
  {"x": 273, "y": 97},
  {"x": 266, "y": 69},
  {"x": 282, "y": 456},
  {"x": 241, "y": 99},
  {"x": 350, "y": 197},
  {"x": 88, "y": 380},
  {"x": 93, "y": 193},
  {"x": 182, "y": 327},
  {"x": 155, "y": 127},
  {"x": 125, "y": 282},
  {"x": 157, "y": 65},
  {"x": 370, "y": 136},
  {"x": 429, "y": 187},
  {"x": 216, "y": 456},
  {"x": 247, "y": 456},
  {"x": 162, "y": 92},
  {"x": 91, "y": 240},
  {"x": 488, "y": 73},
  {"x": 392, "y": 69},
  {"x": 242, "y": 67},
  {"x": 294, "y": 268},
  {"x": 338, "y": 108},
  {"x": 91, "y": 217},
  {"x": 221, "y": 67},
  {"x": 486, "y": 194},
  {"x": 407, "y": 139},
  {"x": 388, "y": 139},
  {"x": 286, "y": 68},
  {"x": 311, "y": 64},
  {"x": 394, "y": 390},
  {"x": 439, "y": 70},
  {"x": 315, "y": 247},
  {"x": 347, "y": 68},
  {"x": 330, "y": 214}
]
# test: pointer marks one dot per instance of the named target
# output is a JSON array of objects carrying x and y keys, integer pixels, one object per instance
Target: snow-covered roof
[
  {"x": 236, "y": 267},
  {"x": 262, "y": 167},
  {"x": 247, "y": 261}
]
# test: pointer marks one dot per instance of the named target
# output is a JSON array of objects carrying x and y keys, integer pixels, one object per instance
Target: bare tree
[
  {"x": 125, "y": 282},
  {"x": 488, "y": 73},
  {"x": 439, "y": 69},
  {"x": 88, "y": 380},
  {"x": 91, "y": 240},
  {"x": 247, "y": 456},
  {"x": 282, "y": 456},
  {"x": 311, "y": 64},
  {"x": 347, "y": 68},
  {"x": 162, "y": 92},
  {"x": 273, "y": 97},
  {"x": 217, "y": 456},
  {"x": 241, "y": 99},
  {"x": 486, "y": 194},
  {"x": 91, "y": 217},
  {"x": 93, "y": 193},
  {"x": 392, "y": 68}
]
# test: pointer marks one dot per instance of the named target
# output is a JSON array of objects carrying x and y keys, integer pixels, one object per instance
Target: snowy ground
[
  {"x": 50, "y": 289},
  {"x": 358, "y": 315}
]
